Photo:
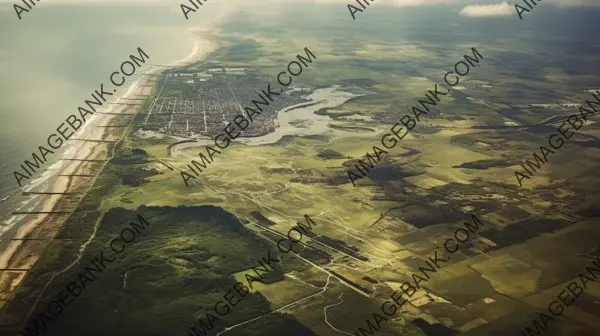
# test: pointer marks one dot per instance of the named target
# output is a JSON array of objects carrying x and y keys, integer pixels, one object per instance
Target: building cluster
[{"x": 200, "y": 104}]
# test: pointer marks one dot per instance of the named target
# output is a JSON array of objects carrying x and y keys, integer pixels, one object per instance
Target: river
[{"x": 293, "y": 120}]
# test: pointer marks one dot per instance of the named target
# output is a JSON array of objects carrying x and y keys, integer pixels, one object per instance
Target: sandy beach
[{"x": 20, "y": 255}]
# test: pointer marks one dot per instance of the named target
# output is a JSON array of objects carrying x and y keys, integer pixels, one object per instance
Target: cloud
[
  {"x": 398, "y": 3},
  {"x": 470, "y": 4},
  {"x": 407, "y": 3},
  {"x": 502, "y": 9}
]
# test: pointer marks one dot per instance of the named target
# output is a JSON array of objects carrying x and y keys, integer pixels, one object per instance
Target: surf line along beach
[
  {"x": 128, "y": 68},
  {"x": 22, "y": 254}
]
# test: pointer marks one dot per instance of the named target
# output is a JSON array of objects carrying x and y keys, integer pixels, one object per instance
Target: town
[{"x": 198, "y": 104}]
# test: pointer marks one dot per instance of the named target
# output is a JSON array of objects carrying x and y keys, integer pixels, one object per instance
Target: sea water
[{"x": 56, "y": 56}]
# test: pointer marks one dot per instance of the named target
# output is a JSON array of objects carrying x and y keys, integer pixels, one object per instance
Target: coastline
[{"x": 19, "y": 254}]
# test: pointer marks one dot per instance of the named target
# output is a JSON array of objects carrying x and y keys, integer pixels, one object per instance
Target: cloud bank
[
  {"x": 399, "y": 3},
  {"x": 502, "y": 9}
]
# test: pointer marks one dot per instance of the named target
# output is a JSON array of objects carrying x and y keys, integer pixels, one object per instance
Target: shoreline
[{"x": 23, "y": 254}]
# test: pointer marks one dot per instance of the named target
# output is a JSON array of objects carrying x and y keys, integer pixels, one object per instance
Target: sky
[
  {"x": 392, "y": 2},
  {"x": 472, "y": 8}
]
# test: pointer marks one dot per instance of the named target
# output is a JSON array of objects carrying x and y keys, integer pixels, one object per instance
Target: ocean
[{"x": 57, "y": 55}]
